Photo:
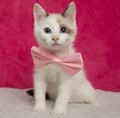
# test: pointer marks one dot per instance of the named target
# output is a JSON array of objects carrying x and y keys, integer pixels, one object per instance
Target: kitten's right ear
[
  {"x": 38, "y": 12},
  {"x": 70, "y": 12}
]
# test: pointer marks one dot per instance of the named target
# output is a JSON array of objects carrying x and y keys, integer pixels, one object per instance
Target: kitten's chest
[
  {"x": 53, "y": 79},
  {"x": 53, "y": 72}
]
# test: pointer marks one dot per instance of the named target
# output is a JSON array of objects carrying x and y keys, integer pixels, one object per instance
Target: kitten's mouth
[{"x": 55, "y": 44}]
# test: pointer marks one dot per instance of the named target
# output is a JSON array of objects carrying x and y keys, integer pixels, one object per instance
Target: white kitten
[{"x": 56, "y": 33}]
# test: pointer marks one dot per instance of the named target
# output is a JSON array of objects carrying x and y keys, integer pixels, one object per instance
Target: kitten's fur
[{"x": 61, "y": 86}]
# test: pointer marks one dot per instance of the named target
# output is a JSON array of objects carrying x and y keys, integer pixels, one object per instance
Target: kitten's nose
[{"x": 55, "y": 39}]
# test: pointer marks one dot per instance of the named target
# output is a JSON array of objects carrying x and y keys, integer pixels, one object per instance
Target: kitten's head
[{"x": 55, "y": 31}]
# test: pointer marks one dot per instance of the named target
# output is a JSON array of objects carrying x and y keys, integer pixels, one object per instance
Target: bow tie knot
[
  {"x": 57, "y": 60},
  {"x": 71, "y": 63}
]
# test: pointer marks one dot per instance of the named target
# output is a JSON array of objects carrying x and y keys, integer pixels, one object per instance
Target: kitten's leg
[
  {"x": 63, "y": 97},
  {"x": 40, "y": 90},
  {"x": 86, "y": 93}
]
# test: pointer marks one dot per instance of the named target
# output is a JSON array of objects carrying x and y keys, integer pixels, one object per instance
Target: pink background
[{"x": 98, "y": 40}]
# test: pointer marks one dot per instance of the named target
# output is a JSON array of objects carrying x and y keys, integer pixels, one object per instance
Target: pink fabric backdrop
[{"x": 98, "y": 40}]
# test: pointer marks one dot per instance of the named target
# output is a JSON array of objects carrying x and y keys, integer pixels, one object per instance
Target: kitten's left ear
[
  {"x": 39, "y": 12},
  {"x": 70, "y": 12}
]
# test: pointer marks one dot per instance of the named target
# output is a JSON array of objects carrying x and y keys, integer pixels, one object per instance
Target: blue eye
[
  {"x": 47, "y": 30},
  {"x": 63, "y": 30}
]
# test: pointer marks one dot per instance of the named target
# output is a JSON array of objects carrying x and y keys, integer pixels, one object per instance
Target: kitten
[{"x": 56, "y": 34}]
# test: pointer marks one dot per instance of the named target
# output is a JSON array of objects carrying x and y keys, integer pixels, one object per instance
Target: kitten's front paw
[
  {"x": 39, "y": 108},
  {"x": 60, "y": 111}
]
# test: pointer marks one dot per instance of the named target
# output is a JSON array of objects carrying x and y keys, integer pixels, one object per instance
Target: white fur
[{"x": 61, "y": 86}]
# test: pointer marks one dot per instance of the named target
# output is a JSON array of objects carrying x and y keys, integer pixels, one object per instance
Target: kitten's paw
[
  {"x": 59, "y": 111},
  {"x": 39, "y": 108}
]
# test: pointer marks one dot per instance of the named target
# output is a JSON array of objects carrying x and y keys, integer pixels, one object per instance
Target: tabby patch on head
[{"x": 55, "y": 31}]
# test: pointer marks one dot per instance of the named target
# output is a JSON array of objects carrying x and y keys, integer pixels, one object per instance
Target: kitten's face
[{"x": 55, "y": 31}]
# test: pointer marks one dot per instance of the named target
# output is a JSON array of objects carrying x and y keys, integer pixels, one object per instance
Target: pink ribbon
[{"x": 71, "y": 63}]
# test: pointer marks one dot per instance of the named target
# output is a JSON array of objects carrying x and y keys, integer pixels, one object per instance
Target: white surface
[{"x": 15, "y": 103}]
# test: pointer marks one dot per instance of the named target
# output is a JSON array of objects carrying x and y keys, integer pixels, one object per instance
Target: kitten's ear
[
  {"x": 70, "y": 12},
  {"x": 39, "y": 12}
]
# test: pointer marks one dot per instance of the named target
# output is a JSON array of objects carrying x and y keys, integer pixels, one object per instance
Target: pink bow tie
[{"x": 71, "y": 63}]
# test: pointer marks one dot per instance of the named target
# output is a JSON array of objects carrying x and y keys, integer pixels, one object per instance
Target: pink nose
[{"x": 55, "y": 39}]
